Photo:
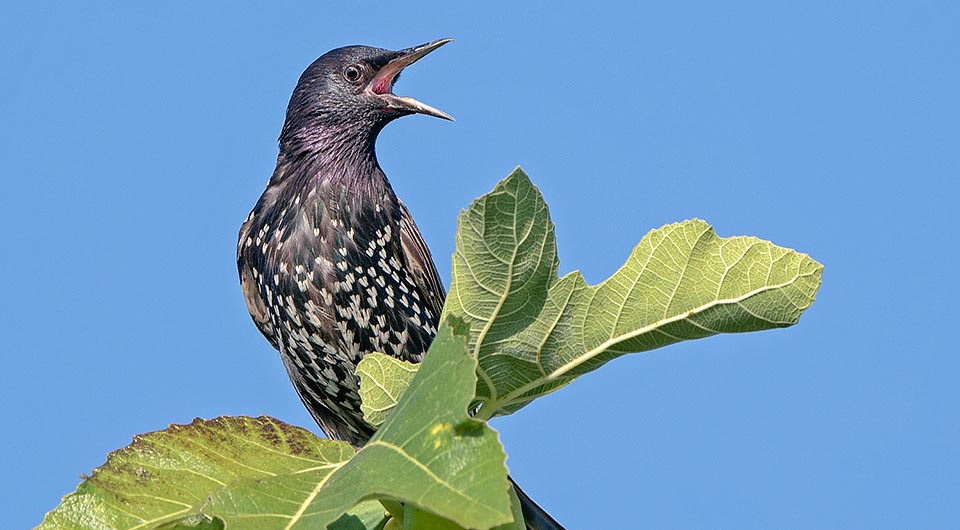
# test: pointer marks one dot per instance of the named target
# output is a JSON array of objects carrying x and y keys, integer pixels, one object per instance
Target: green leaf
[
  {"x": 383, "y": 379},
  {"x": 517, "y": 523},
  {"x": 417, "y": 519},
  {"x": 260, "y": 473},
  {"x": 428, "y": 453},
  {"x": 535, "y": 332},
  {"x": 163, "y": 479}
]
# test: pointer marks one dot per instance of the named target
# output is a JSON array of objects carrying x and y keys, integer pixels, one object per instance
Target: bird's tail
[{"x": 535, "y": 517}]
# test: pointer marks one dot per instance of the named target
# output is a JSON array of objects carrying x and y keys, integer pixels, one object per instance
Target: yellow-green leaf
[{"x": 535, "y": 332}]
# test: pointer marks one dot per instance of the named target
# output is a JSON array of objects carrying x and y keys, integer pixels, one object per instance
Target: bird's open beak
[{"x": 382, "y": 82}]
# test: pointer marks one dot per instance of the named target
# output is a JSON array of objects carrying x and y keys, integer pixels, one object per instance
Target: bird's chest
[{"x": 342, "y": 284}]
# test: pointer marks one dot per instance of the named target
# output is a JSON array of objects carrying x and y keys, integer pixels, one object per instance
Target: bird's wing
[
  {"x": 251, "y": 259},
  {"x": 420, "y": 264},
  {"x": 247, "y": 259}
]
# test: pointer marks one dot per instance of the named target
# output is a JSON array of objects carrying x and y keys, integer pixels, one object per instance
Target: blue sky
[{"x": 134, "y": 141}]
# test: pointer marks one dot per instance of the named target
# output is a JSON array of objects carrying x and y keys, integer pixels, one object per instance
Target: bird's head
[{"x": 350, "y": 91}]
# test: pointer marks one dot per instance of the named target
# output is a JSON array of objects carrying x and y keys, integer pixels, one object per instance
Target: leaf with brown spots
[{"x": 165, "y": 478}]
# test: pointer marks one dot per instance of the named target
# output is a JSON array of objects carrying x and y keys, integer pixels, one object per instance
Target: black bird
[{"x": 331, "y": 263}]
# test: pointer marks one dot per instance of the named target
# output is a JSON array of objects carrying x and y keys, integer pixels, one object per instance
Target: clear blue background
[{"x": 136, "y": 139}]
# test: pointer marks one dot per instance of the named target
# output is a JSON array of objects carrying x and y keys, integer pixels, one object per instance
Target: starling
[{"x": 331, "y": 264}]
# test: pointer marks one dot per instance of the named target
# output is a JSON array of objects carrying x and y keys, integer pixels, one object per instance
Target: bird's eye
[{"x": 352, "y": 73}]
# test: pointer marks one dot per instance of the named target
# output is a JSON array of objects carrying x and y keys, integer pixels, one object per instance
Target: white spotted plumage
[{"x": 340, "y": 285}]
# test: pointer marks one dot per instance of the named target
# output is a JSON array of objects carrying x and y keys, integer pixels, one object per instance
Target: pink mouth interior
[{"x": 383, "y": 85}]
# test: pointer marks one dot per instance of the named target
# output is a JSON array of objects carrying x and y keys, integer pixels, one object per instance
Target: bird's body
[
  {"x": 331, "y": 263},
  {"x": 333, "y": 267}
]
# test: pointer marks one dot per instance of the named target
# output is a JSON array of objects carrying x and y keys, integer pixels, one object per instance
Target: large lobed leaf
[
  {"x": 429, "y": 453},
  {"x": 535, "y": 332},
  {"x": 259, "y": 473},
  {"x": 168, "y": 476}
]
